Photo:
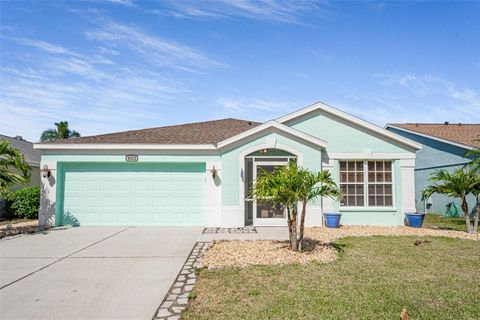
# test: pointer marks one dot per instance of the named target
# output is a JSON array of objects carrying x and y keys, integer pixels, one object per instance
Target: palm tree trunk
[
  {"x": 477, "y": 213},
  {"x": 293, "y": 232},
  {"x": 465, "y": 211},
  {"x": 302, "y": 224}
]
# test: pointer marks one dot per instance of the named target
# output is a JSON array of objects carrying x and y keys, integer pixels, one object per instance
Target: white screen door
[{"x": 266, "y": 213}]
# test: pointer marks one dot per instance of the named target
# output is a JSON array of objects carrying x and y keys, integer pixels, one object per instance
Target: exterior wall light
[
  {"x": 263, "y": 151},
  {"x": 46, "y": 173},
  {"x": 214, "y": 172}
]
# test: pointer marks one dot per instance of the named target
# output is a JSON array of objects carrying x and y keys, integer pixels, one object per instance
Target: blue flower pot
[
  {"x": 332, "y": 220},
  {"x": 415, "y": 220}
]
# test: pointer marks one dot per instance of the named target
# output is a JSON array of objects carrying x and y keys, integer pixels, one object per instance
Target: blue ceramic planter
[
  {"x": 415, "y": 220},
  {"x": 332, "y": 220}
]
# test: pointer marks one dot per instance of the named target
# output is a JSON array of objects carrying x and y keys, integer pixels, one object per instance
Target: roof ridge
[{"x": 153, "y": 128}]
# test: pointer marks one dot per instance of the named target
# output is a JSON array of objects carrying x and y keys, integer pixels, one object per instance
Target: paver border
[{"x": 176, "y": 300}]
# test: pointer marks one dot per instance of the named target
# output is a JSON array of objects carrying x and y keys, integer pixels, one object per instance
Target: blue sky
[{"x": 110, "y": 66}]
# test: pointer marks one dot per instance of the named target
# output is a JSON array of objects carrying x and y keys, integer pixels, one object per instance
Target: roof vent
[{"x": 446, "y": 123}]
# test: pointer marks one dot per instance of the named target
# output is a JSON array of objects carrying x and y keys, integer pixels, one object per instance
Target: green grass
[
  {"x": 440, "y": 222},
  {"x": 374, "y": 278}
]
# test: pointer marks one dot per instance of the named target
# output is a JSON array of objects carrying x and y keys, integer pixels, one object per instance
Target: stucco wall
[{"x": 350, "y": 141}]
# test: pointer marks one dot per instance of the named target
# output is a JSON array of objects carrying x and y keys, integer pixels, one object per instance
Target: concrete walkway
[{"x": 91, "y": 273}]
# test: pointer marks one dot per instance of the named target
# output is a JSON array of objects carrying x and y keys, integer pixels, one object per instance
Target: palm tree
[
  {"x": 287, "y": 186},
  {"x": 475, "y": 156},
  {"x": 476, "y": 193},
  {"x": 61, "y": 132},
  {"x": 13, "y": 168},
  {"x": 457, "y": 184}
]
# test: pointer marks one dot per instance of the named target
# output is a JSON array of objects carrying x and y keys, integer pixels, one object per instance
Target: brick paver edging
[{"x": 176, "y": 299}]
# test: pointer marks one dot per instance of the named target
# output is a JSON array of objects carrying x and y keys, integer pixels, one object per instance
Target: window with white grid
[{"x": 366, "y": 183}]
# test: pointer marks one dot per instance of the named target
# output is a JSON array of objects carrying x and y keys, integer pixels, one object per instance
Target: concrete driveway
[{"x": 91, "y": 273}]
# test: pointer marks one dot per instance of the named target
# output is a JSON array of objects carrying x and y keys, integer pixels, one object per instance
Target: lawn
[
  {"x": 373, "y": 278},
  {"x": 439, "y": 221}
]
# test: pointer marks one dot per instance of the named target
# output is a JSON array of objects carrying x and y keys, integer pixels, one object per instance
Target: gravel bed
[
  {"x": 265, "y": 252},
  {"x": 317, "y": 246},
  {"x": 329, "y": 234}
]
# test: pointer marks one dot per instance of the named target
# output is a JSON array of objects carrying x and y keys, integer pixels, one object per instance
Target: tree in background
[
  {"x": 287, "y": 186},
  {"x": 13, "y": 168},
  {"x": 458, "y": 184},
  {"x": 475, "y": 156},
  {"x": 61, "y": 132}
]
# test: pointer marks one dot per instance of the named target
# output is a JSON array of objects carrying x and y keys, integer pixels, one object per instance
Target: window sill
[{"x": 365, "y": 209}]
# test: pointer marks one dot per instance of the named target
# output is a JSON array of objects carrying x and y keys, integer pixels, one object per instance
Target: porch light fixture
[
  {"x": 214, "y": 172},
  {"x": 263, "y": 151},
  {"x": 46, "y": 173}
]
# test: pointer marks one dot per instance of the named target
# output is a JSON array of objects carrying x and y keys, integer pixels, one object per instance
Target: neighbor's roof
[
  {"x": 465, "y": 134},
  {"x": 32, "y": 156},
  {"x": 208, "y": 132}
]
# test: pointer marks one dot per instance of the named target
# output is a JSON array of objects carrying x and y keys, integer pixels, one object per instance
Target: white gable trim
[
  {"x": 461, "y": 145},
  {"x": 348, "y": 117},
  {"x": 272, "y": 125}
]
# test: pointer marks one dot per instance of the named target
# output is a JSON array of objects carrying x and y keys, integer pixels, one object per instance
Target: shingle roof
[
  {"x": 208, "y": 132},
  {"x": 32, "y": 156},
  {"x": 467, "y": 134}
]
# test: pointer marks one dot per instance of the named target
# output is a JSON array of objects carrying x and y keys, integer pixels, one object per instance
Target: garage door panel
[{"x": 134, "y": 194}]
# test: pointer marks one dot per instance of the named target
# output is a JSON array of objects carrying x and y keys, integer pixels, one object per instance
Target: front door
[{"x": 266, "y": 213}]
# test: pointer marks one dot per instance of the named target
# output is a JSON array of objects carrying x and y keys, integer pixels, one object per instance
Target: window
[{"x": 366, "y": 183}]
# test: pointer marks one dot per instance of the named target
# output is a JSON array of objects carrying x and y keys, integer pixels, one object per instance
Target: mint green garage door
[{"x": 133, "y": 194}]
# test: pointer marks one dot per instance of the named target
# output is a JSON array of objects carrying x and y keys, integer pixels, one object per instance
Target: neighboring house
[
  {"x": 198, "y": 174},
  {"x": 444, "y": 147},
  {"x": 32, "y": 157}
]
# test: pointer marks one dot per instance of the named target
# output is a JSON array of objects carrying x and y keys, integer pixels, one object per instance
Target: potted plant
[
  {"x": 332, "y": 220},
  {"x": 415, "y": 219}
]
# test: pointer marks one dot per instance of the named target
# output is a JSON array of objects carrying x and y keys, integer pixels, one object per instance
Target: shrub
[{"x": 25, "y": 203}]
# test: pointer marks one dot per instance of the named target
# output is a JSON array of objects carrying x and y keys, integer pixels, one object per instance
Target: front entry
[
  {"x": 264, "y": 213},
  {"x": 267, "y": 213}
]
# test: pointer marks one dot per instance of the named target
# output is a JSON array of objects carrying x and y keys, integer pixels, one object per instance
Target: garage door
[{"x": 134, "y": 194}]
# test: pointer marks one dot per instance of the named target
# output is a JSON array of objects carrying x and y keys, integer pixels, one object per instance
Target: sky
[{"x": 107, "y": 66}]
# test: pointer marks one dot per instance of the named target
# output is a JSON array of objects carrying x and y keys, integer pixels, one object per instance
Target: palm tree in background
[
  {"x": 475, "y": 156},
  {"x": 61, "y": 132},
  {"x": 14, "y": 169},
  {"x": 457, "y": 184}
]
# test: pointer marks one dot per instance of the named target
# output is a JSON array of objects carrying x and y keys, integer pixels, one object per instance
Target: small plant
[{"x": 25, "y": 203}]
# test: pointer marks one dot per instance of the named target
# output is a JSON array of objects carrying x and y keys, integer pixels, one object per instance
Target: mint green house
[{"x": 199, "y": 174}]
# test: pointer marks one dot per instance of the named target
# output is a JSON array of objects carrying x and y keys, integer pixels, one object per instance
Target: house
[
  {"x": 199, "y": 174},
  {"x": 443, "y": 147},
  {"x": 32, "y": 157}
]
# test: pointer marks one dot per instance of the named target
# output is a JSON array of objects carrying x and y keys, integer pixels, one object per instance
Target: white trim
[
  {"x": 123, "y": 146},
  {"x": 345, "y": 116},
  {"x": 371, "y": 155},
  {"x": 269, "y": 125},
  {"x": 461, "y": 145}
]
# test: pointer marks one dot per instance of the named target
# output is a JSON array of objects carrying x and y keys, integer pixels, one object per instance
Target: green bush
[{"x": 25, "y": 203}]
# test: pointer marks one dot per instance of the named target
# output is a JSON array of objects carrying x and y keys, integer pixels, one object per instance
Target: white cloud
[
  {"x": 127, "y": 3},
  {"x": 285, "y": 11},
  {"x": 251, "y": 109},
  {"x": 407, "y": 97},
  {"x": 160, "y": 51}
]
